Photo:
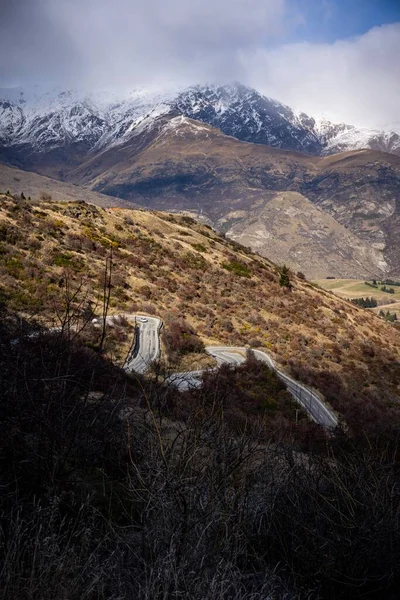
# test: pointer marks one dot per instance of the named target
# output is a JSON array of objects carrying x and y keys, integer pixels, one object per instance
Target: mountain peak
[{"x": 56, "y": 119}]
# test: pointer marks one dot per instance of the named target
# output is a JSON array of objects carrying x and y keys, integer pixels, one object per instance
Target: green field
[{"x": 355, "y": 288}]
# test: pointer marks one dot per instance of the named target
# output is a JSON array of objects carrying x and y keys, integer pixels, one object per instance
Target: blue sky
[{"x": 331, "y": 20}]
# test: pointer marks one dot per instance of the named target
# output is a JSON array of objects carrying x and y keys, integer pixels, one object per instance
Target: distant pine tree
[
  {"x": 365, "y": 302},
  {"x": 284, "y": 279}
]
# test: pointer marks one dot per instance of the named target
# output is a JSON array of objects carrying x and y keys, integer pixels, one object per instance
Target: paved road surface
[
  {"x": 147, "y": 349},
  {"x": 309, "y": 399},
  {"x": 147, "y": 344},
  {"x": 186, "y": 381}
]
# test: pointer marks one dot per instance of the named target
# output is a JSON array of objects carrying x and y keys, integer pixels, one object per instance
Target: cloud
[
  {"x": 356, "y": 80},
  {"x": 132, "y": 43},
  {"x": 33, "y": 45}
]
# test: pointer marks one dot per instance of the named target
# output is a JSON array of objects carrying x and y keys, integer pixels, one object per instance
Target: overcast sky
[{"x": 334, "y": 57}]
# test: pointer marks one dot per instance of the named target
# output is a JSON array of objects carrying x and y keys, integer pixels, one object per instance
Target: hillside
[
  {"x": 37, "y": 186},
  {"x": 171, "y": 266},
  {"x": 182, "y": 165},
  {"x": 127, "y": 489}
]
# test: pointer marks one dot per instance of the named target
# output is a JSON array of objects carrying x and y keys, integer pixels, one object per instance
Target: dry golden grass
[{"x": 171, "y": 266}]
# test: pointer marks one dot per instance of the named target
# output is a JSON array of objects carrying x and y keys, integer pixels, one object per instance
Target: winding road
[
  {"x": 146, "y": 346},
  {"x": 308, "y": 398},
  {"x": 146, "y": 349}
]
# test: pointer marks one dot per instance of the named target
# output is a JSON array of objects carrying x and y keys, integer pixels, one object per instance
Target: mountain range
[
  {"x": 250, "y": 166},
  {"x": 48, "y": 121}
]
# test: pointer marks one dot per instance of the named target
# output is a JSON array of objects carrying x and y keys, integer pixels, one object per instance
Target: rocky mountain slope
[
  {"x": 245, "y": 114},
  {"x": 289, "y": 228},
  {"x": 342, "y": 137}
]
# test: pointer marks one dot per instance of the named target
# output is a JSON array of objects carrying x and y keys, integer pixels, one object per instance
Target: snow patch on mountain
[
  {"x": 341, "y": 137},
  {"x": 46, "y": 120},
  {"x": 181, "y": 126}
]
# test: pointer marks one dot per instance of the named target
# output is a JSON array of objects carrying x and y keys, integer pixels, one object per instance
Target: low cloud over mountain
[{"x": 130, "y": 43}]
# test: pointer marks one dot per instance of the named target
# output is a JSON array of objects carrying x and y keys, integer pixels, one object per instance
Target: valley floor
[{"x": 356, "y": 288}]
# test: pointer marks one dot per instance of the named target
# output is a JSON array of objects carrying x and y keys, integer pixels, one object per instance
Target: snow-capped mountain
[
  {"x": 247, "y": 115},
  {"x": 52, "y": 120},
  {"x": 32, "y": 122},
  {"x": 48, "y": 121},
  {"x": 342, "y": 137}
]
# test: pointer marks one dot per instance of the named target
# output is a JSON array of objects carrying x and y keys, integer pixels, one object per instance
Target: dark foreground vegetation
[{"x": 120, "y": 488}]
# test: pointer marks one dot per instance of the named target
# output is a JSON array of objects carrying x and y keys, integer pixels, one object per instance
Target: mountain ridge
[{"x": 94, "y": 121}]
